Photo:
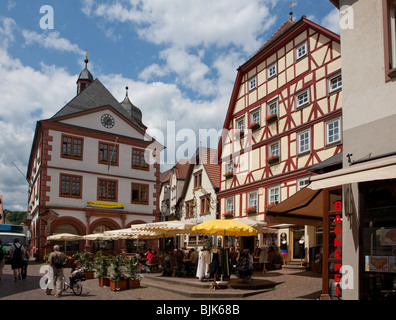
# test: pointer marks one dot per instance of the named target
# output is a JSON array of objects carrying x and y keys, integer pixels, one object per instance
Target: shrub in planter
[
  {"x": 101, "y": 266},
  {"x": 273, "y": 159},
  {"x": 84, "y": 264},
  {"x": 254, "y": 126},
  {"x": 118, "y": 276},
  {"x": 277, "y": 260},
  {"x": 272, "y": 118}
]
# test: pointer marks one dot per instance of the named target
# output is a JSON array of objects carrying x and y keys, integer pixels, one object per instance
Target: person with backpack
[
  {"x": 57, "y": 261},
  {"x": 3, "y": 252},
  {"x": 16, "y": 254}
]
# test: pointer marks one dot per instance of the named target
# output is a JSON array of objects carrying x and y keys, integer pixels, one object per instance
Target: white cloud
[
  {"x": 7, "y": 28},
  {"x": 332, "y": 21},
  {"x": 51, "y": 40}
]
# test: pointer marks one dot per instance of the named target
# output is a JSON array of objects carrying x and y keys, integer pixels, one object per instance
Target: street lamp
[{"x": 164, "y": 208}]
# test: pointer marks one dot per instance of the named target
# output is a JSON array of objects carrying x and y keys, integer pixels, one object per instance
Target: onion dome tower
[
  {"x": 85, "y": 78},
  {"x": 132, "y": 110}
]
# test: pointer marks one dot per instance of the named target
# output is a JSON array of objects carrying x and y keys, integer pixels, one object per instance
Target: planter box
[
  {"x": 228, "y": 216},
  {"x": 272, "y": 119},
  {"x": 254, "y": 127},
  {"x": 273, "y": 160},
  {"x": 104, "y": 282},
  {"x": 133, "y": 284},
  {"x": 119, "y": 285},
  {"x": 229, "y": 175}
]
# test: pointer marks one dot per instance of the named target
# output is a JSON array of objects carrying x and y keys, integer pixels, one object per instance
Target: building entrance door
[{"x": 297, "y": 233}]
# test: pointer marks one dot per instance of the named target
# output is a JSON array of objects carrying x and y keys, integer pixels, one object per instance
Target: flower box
[
  {"x": 272, "y": 118},
  {"x": 271, "y": 205},
  {"x": 228, "y": 215},
  {"x": 254, "y": 126},
  {"x": 251, "y": 210},
  {"x": 273, "y": 159},
  {"x": 118, "y": 285},
  {"x": 133, "y": 284},
  {"x": 229, "y": 174},
  {"x": 104, "y": 282}
]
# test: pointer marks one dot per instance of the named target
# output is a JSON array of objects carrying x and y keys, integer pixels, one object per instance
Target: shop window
[{"x": 378, "y": 252}]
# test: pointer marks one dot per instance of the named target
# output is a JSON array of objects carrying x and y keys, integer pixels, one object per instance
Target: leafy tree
[{"x": 15, "y": 217}]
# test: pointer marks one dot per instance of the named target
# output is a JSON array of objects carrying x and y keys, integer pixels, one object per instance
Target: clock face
[{"x": 107, "y": 121}]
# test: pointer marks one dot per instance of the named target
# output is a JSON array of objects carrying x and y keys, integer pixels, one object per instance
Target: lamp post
[{"x": 164, "y": 208}]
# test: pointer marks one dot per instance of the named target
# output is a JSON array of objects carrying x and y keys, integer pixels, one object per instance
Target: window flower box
[
  {"x": 251, "y": 210},
  {"x": 269, "y": 206},
  {"x": 229, "y": 174},
  {"x": 228, "y": 215},
  {"x": 272, "y": 118},
  {"x": 273, "y": 159},
  {"x": 254, "y": 126}
]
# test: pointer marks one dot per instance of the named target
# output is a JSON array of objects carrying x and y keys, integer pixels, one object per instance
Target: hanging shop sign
[{"x": 104, "y": 205}]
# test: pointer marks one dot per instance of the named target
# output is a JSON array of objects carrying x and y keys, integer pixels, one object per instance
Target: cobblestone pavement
[{"x": 290, "y": 285}]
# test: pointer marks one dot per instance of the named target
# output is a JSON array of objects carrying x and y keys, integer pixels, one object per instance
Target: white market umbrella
[
  {"x": 260, "y": 226},
  {"x": 65, "y": 237}
]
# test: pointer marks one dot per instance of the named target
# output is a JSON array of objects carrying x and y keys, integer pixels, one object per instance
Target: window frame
[
  {"x": 252, "y": 113},
  {"x": 278, "y": 188},
  {"x": 389, "y": 30},
  {"x": 70, "y": 194},
  {"x": 140, "y": 186},
  {"x": 327, "y": 123},
  {"x": 107, "y": 198},
  {"x": 141, "y": 155},
  {"x": 227, "y": 205},
  {"x": 271, "y": 103},
  {"x": 271, "y": 66},
  {"x": 72, "y": 155},
  {"x": 329, "y": 87},
  {"x": 299, "y": 134},
  {"x": 205, "y": 204},
  {"x": 238, "y": 121},
  {"x": 301, "y": 92},
  {"x": 303, "y": 179},
  {"x": 302, "y": 44},
  {"x": 248, "y": 199},
  {"x": 109, "y": 146},
  {"x": 198, "y": 179},
  {"x": 250, "y": 81}
]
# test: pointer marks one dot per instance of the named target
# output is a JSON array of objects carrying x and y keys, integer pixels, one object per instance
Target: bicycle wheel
[{"x": 77, "y": 288}]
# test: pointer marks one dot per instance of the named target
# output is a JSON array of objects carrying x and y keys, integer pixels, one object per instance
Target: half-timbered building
[{"x": 284, "y": 117}]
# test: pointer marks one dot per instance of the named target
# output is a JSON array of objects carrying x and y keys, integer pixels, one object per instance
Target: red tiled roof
[{"x": 211, "y": 165}]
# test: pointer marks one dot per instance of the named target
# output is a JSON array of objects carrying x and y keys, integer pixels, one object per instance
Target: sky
[{"x": 179, "y": 59}]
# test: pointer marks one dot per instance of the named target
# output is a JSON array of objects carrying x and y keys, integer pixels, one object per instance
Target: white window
[
  {"x": 335, "y": 83},
  {"x": 252, "y": 84},
  {"x": 274, "y": 195},
  {"x": 274, "y": 149},
  {"x": 252, "y": 200},
  {"x": 302, "y": 98},
  {"x": 304, "y": 141},
  {"x": 255, "y": 116},
  {"x": 271, "y": 71},
  {"x": 392, "y": 43},
  {"x": 230, "y": 166},
  {"x": 272, "y": 107},
  {"x": 333, "y": 131},
  {"x": 301, "y": 183},
  {"x": 230, "y": 205},
  {"x": 301, "y": 50},
  {"x": 240, "y": 124}
]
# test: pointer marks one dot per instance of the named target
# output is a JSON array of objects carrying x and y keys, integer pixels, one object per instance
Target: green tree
[{"x": 15, "y": 217}]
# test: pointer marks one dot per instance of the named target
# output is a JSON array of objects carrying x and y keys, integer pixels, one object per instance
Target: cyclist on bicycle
[{"x": 57, "y": 260}]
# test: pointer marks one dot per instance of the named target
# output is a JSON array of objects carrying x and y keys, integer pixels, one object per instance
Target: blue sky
[{"x": 178, "y": 58}]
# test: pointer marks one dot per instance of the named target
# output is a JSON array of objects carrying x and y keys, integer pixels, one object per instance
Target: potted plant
[
  {"x": 118, "y": 278},
  {"x": 228, "y": 215},
  {"x": 251, "y": 210},
  {"x": 229, "y": 174},
  {"x": 277, "y": 260},
  {"x": 269, "y": 206},
  {"x": 273, "y": 159},
  {"x": 273, "y": 117},
  {"x": 132, "y": 274},
  {"x": 254, "y": 126},
  {"x": 101, "y": 265},
  {"x": 84, "y": 264}
]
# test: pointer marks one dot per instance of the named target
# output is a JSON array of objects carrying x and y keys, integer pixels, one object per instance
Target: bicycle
[{"x": 75, "y": 283}]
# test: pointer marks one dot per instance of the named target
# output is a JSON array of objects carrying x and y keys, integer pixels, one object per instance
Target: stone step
[{"x": 193, "y": 287}]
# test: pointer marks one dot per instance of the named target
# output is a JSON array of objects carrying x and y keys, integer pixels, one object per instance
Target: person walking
[
  {"x": 56, "y": 260},
  {"x": 3, "y": 252},
  {"x": 25, "y": 262},
  {"x": 16, "y": 253}
]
